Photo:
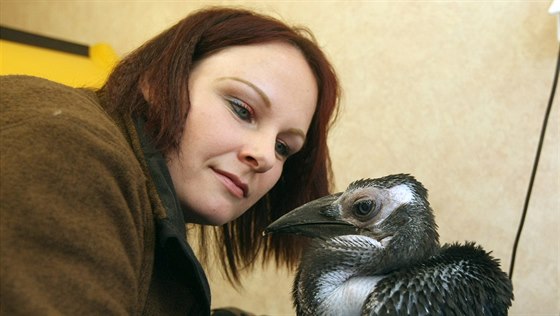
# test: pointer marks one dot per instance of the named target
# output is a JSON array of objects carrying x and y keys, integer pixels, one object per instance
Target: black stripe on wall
[{"x": 13, "y": 35}]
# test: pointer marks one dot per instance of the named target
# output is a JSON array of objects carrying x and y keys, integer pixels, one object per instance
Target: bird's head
[{"x": 391, "y": 209}]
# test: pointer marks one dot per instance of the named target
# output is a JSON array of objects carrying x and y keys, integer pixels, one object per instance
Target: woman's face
[{"x": 251, "y": 107}]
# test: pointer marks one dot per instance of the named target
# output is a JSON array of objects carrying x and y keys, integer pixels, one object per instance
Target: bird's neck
[
  {"x": 333, "y": 273},
  {"x": 414, "y": 238},
  {"x": 404, "y": 250}
]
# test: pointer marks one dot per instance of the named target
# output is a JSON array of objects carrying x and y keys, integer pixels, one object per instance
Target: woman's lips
[{"x": 232, "y": 183}]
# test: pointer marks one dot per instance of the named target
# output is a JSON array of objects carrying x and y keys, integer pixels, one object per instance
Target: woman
[{"x": 220, "y": 120}]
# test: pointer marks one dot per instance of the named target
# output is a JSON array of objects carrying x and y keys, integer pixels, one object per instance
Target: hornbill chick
[{"x": 376, "y": 251}]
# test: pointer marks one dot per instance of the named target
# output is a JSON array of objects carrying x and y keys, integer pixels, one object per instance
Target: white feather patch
[
  {"x": 393, "y": 198},
  {"x": 348, "y": 298},
  {"x": 401, "y": 194}
]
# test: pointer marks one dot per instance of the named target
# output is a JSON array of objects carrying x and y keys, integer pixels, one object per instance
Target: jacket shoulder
[{"x": 26, "y": 97}]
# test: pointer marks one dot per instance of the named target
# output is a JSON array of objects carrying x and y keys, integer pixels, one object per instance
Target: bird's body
[{"x": 376, "y": 252}]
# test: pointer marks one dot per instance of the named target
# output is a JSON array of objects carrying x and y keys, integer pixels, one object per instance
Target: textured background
[{"x": 452, "y": 92}]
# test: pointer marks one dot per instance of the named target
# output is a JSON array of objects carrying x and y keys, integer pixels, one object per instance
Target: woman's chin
[{"x": 215, "y": 218}]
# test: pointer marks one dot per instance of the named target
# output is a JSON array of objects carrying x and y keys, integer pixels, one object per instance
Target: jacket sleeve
[{"x": 74, "y": 210}]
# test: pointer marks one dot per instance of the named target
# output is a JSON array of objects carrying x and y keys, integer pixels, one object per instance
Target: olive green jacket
[{"x": 89, "y": 220}]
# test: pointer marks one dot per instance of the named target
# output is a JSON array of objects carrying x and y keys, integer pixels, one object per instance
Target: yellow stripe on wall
[{"x": 65, "y": 68}]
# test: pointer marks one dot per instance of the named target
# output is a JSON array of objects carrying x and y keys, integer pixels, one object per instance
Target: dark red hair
[{"x": 165, "y": 62}]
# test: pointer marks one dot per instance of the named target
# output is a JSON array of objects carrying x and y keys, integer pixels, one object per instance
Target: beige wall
[{"x": 452, "y": 92}]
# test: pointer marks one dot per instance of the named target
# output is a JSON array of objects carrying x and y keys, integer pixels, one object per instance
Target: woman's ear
[{"x": 145, "y": 88}]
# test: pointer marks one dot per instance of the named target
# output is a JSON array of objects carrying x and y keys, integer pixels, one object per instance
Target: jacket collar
[{"x": 170, "y": 227}]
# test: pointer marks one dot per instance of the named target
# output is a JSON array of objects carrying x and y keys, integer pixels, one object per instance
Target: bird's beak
[{"x": 319, "y": 218}]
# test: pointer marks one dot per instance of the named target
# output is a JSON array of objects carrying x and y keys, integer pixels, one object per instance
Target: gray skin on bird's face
[{"x": 376, "y": 251}]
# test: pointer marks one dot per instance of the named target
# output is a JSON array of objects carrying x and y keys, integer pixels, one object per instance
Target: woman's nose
[{"x": 259, "y": 153}]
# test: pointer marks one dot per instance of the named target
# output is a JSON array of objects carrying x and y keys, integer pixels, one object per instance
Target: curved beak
[{"x": 319, "y": 218}]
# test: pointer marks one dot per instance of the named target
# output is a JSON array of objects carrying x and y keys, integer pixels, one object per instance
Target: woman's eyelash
[{"x": 240, "y": 109}]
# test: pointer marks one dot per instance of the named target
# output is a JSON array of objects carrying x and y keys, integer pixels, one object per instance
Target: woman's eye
[
  {"x": 240, "y": 109},
  {"x": 282, "y": 149}
]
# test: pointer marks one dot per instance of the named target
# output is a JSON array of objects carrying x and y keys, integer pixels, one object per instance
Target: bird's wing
[{"x": 460, "y": 280}]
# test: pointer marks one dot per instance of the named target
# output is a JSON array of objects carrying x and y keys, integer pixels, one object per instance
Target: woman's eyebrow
[{"x": 252, "y": 86}]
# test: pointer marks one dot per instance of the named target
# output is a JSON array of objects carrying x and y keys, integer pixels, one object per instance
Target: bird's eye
[{"x": 364, "y": 208}]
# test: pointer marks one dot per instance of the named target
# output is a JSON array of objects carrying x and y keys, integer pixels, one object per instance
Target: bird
[{"x": 375, "y": 250}]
